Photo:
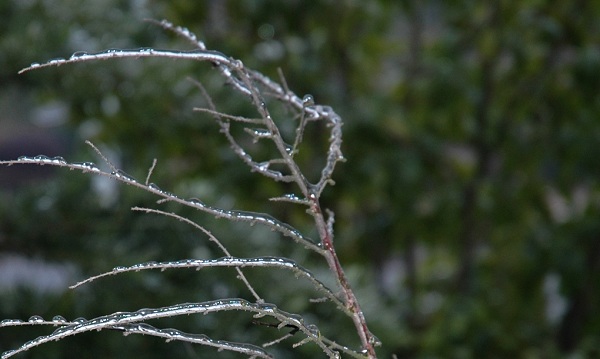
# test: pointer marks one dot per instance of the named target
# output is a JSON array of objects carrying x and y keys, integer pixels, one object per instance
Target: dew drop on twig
[
  {"x": 292, "y": 197},
  {"x": 78, "y": 54},
  {"x": 122, "y": 175},
  {"x": 263, "y": 166},
  {"x": 289, "y": 149},
  {"x": 196, "y": 202},
  {"x": 56, "y": 61},
  {"x": 58, "y": 160},
  {"x": 86, "y": 166},
  {"x": 154, "y": 187},
  {"x": 35, "y": 319},
  {"x": 238, "y": 64},
  {"x": 58, "y": 319},
  {"x": 308, "y": 100},
  {"x": 41, "y": 159}
]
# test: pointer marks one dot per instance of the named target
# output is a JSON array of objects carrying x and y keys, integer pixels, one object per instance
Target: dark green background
[{"x": 467, "y": 213}]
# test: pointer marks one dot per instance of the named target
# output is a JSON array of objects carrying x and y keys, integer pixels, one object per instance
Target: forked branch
[{"x": 258, "y": 89}]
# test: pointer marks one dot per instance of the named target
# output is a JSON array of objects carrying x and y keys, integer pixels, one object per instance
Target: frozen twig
[
  {"x": 258, "y": 90},
  {"x": 119, "y": 175},
  {"x": 260, "y": 262},
  {"x": 132, "y": 321},
  {"x": 212, "y": 238}
]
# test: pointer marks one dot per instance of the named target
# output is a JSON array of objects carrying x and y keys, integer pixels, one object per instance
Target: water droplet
[
  {"x": 292, "y": 197},
  {"x": 289, "y": 149},
  {"x": 308, "y": 100},
  {"x": 169, "y": 194},
  {"x": 58, "y": 160},
  {"x": 78, "y": 54},
  {"x": 154, "y": 187},
  {"x": 25, "y": 159},
  {"x": 374, "y": 340},
  {"x": 261, "y": 133},
  {"x": 86, "y": 166},
  {"x": 57, "y": 61},
  {"x": 238, "y": 64},
  {"x": 34, "y": 65},
  {"x": 295, "y": 318},
  {"x": 58, "y": 319},
  {"x": 267, "y": 307},
  {"x": 35, "y": 319},
  {"x": 196, "y": 202},
  {"x": 79, "y": 320},
  {"x": 314, "y": 330},
  {"x": 171, "y": 332},
  {"x": 41, "y": 159},
  {"x": 122, "y": 175},
  {"x": 263, "y": 166}
]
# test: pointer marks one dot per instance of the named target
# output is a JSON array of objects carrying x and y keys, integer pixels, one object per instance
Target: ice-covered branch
[
  {"x": 124, "y": 320},
  {"x": 197, "y": 55},
  {"x": 170, "y": 334},
  {"x": 261, "y": 92},
  {"x": 247, "y": 82},
  {"x": 261, "y": 262},
  {"x": 119, "y": 175}
]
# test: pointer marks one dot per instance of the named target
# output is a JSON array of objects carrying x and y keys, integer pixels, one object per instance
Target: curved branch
[
  {"x": 123, "y": 320},
  {"x": 263, "y": 262}
]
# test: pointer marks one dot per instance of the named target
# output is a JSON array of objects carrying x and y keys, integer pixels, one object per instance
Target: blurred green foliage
[{"x": 467, "y": 213}]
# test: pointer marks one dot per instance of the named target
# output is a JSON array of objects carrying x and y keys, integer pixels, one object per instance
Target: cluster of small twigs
[{"x": 256, "y": 87}]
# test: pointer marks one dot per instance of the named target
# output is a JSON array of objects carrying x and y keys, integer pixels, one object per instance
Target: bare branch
[
  {"x": 257, "y": 88},
  {"x": 229, "y": 117},
  {"x": 197, "y": 55},
  {"x": 181, "y": 31},
  {"x": 121, "y": 320},
  {"x": 240, "y": 216},
  {"x": 212, "y": 238},
  {"x": 262, "y": 262}
]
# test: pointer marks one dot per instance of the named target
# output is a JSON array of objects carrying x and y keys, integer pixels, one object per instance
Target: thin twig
[
  {"x": 212, "y": 238},
  {"x": 104, "y": 158},
  {"x": 150, "y": 171}
]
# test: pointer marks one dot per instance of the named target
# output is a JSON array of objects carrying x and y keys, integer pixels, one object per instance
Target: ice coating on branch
[
  {"x": 86, "y": 166},
  {"x": 260, "y": 90},
  {"x": 154, "y": 187},
  {"x": 10, "y": 322},
  {"x": 124, "y": 176},
  {"x": 42, "y": 160}
]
